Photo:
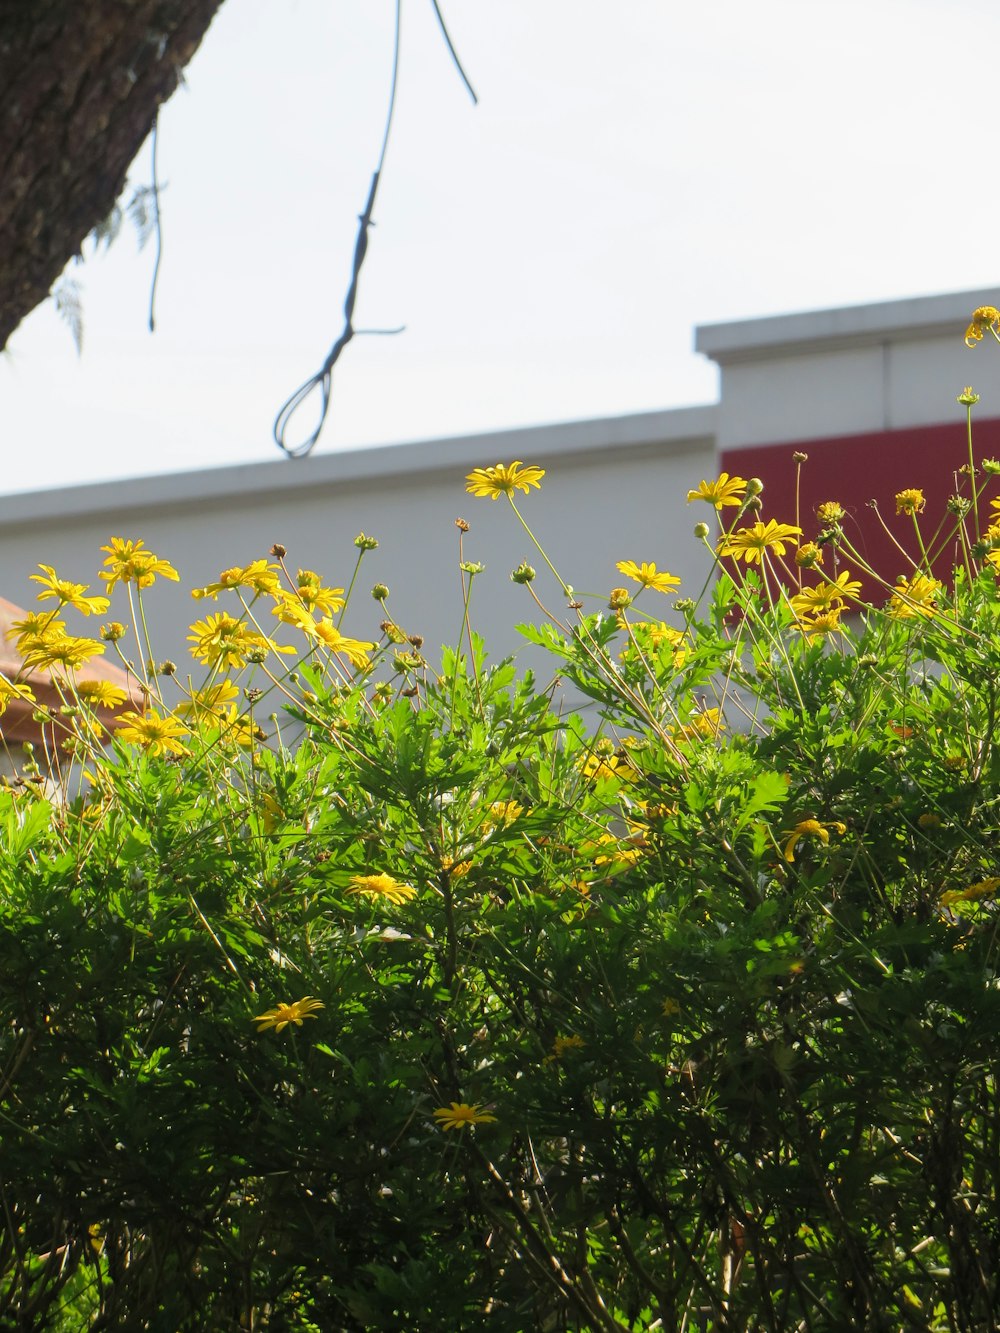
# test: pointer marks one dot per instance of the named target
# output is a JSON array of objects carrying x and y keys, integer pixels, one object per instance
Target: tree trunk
[{"x": 80, "y": 85}]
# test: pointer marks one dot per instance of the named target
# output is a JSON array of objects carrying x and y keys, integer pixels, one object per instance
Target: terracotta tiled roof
[{"x": 18, "y": 724}]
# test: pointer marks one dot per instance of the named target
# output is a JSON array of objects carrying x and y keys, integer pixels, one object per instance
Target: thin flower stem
[
  {"x": 350, "y": 587},
  {"x": 920, "y": 543},
  {"x": 972, "y": 469},
  {"x": 135, "y": 626},
  {"x": 567, "y": 590}
]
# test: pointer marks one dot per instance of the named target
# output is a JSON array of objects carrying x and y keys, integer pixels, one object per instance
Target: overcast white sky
[{"x": 632, "y": 170}]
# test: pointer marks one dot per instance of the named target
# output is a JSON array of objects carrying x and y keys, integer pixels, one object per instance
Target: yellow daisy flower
[
  {"x": 36, "y": 626},
  {"x": 825, "y": 596},
  {"x": 10, "y": 690},
  {"x": 701, "y": 726},
  {"x": 156, "y": 734},
  {"x": 222, "y": 640},
  {"x": 914, "y": 598},
  {"x": 460, "y": 1114},
  {"x": 648, "y": 575},
  {"x": 820, "y": 624},
  {"x": 725, "y": 490},
  {"x": 213, "y": 701},
  {"x": 810, "y": 828},
  {"x": 830, "y": 512},
  {"x": 382, "y": 886},
  {"x": 68, "y": 594},
  {"x": 502, "y": 813},
  {"x": 809, "y": 555},
  {"x": 986, "y": 888},
  {"x": 282, "y": 1015},
  {"x": 985, "y": 317},
  {"x": 313, "y": 595},
  {"x": 258, "y": 577},
  {"x": 355, "y": 650},
  {"x": 59, "y": 650},
  {"x": 752, "y": 543},
  {"x": 503, "y": 479},
  {"x": 101, "y": 693},
  {"x": 910, "y": 502},
  {"x": 563, "y": 1044},
  {"x": 127, "y": 562}
]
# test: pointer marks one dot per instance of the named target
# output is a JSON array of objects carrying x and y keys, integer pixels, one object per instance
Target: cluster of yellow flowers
[{"x": 221, "y": 642}]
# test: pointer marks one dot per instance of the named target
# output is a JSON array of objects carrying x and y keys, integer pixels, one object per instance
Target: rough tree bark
[{"x": 80, "y": 85}]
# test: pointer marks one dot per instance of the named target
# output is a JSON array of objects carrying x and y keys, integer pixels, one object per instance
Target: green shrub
[{"x": 460, "y": 1014}]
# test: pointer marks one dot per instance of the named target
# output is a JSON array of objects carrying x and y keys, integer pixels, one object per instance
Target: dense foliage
[{"x": 463, "y": 1014}]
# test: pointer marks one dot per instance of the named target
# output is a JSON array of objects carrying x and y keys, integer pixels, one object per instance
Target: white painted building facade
[{"x": 853, "y": 386}]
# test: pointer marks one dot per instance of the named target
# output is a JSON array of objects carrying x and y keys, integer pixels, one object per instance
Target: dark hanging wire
[{"x": 323, "y": 378}]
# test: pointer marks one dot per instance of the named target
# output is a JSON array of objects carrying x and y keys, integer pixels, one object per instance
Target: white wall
[{"x": 614, "y": 490}]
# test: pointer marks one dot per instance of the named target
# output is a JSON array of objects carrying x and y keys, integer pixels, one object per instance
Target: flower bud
[
  {"x": 461, "y": 524},
  {"x": 754, "y": 486},
  {"x": 380, "y": 592},
  {"x": 278, "y": 551},
  {"x": 113, "y": 631},
  {"x": 620, "y": 598},
  {"x": 701, "y": 531},
  {"x": 523, "y": 574},
  {"x": 967, "y": 398},
  {"x": 364, "y": 543}
]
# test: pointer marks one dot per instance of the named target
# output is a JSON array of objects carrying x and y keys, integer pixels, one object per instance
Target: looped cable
[{"x": 323, "y": 379}]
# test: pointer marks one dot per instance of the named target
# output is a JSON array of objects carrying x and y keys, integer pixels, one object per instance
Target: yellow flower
[
  {"x": 382, "y": 886},
  {"x": 239, "y": 729},
  {"x": 312, "y": 594},
  {"x": 282, "y": 1014},
  {"x": 648, "y": 576},
  {"x": 127, "y": 562},
  {"x": 68, "y": 594},
  {"x": 656, "y": 635},
  {"x": 809, "y": 555},
  {"x": 986, "y": 316},
  {"x": 986, "y": 888},
  {"x": 620, "y": 854},
  {"x": 809, "y": 828},
  {"x": 910, "y": 502},
  {"x": 35, "y": 628},
  {"x": 825, "y": 596},
  {"x": 460, "y": 1114},
  {"x": 259, "y": 577},
  {"x": 222, "y": 640},
  {"x": 213, "y": 701},
  {"x": 503, "y": 479},
  {"x": 59, "y": 650},
  {"x": 101, "y": 693},
  {"x": 563, "y": 1044},
  {"x": 11, "y": 690},
  {"x": 751, "y": 543},
  {"x": 601, "y": 766},
  {"x": 355, "y": 650},
  {"x": 701, "y": 726},
  {"x": 290, "y": 611},
  {"x": 502, "y": 813},
  {"x": 725, "y": 490},
  {"x": 914, "y": 598},
  {"x": 820, "y": 624},
  {"x": 156, "y": 734},
  {"x": 830, "y": 512}
]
